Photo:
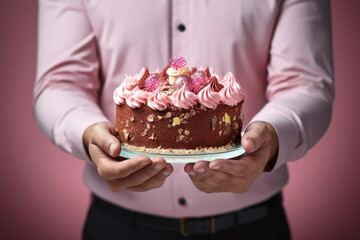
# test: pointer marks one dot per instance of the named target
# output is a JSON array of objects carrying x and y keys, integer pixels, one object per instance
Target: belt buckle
[{"x": 186, "y": 234}]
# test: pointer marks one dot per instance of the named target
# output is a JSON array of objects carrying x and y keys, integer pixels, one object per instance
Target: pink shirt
[{"x": 279, "y": 51}]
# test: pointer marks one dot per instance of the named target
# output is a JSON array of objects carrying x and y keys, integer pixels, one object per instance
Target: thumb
[
  {"x": 104, "y": 136},
  {"x": 253, "y": 137}
]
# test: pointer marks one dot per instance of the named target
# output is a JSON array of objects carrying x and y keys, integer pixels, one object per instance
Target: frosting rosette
[
  {"x": 183, "y": 98},
  {"x": 232, "y": 93},
  {"x": 137, "y": 97},
  {"x": 209, "y": 95},
  {"x": 120, "y": 95},
  {"x": 158, "y": 100},
  {"x": 131, "y": 82}
]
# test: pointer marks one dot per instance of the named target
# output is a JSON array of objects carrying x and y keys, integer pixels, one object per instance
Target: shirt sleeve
[
  {"x": 300, "y": 89},
  {"x": 67, "y": 84}
]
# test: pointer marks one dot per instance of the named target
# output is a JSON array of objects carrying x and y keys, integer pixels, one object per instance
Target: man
[{"x": 279, "y": 51}]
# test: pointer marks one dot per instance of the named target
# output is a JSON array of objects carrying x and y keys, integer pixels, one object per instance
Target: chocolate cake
[{"x": 179, "y": 110}]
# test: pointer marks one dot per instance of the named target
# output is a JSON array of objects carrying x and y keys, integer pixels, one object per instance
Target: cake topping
[
  {"x": 120, "y": 95},
  {"x": 158, "y": 100},
  {"x": 231, "y": 94},
  {"x": 173, "y": 73},
  {"x": 142, "y": 81},
  {"x": 209, "y": 97},
  {"x": 215, "y": 85},
  {"x": 198, "y": 81},
  {"x": 152, "y": 82},
  {"x": 180, "y": 86},
  {"x": 137, "y": 97},
  {"x": 183, "y": 98},
  {"x": 178, "y": 62},
  {"x": 181, "y": 81},
  {"x": 132, "y": 82}
]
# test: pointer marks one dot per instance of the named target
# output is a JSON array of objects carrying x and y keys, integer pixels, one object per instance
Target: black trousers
[{"x": 102, "y": 224}]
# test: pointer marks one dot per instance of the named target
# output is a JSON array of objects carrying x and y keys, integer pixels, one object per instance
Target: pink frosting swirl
[
  {"x": 131, "y": 82},
  {"x": 183, "y": 98},
  {"x": 225, "y": 80},
  {"x": 232, "y": 93},
  {"x": 137, "y": 97},
  {"x": 158, "y": 100},
  {"x": 209, "y": 97},
  {"x": 120, "y": 95}
]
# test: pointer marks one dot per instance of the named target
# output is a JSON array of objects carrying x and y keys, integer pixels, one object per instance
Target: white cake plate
[{"x": 188, "y": 158}]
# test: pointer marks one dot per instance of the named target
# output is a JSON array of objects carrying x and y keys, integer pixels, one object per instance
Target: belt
[{"x": 191, "y": 226}]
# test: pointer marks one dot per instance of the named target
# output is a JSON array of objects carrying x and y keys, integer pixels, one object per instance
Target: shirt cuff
[
  {"x": 286, "y": 130},
  {"x": 76, "y": 131}
]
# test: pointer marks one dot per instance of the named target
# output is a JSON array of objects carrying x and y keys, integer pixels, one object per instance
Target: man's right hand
[{"x": 135, "y": 174}]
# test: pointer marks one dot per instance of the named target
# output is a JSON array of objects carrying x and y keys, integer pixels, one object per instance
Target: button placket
[{"x": 180, "y": 24}]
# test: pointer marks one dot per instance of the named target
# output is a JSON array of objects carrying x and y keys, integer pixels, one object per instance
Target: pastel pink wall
[{"x": 42, "y": 195}]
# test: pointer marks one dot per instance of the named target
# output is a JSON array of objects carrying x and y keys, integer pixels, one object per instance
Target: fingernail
[
  {"x": 192, "y": 173},
  {"x": 217, "y": 167},
  {"x": 158, "y": 167},
  {"x": 166, "y": 173},
  {"x": 112, "y": 148},
  {"x": 252, "y": 144},
  {"x": 200, "y": 170},
  {"x": 143, "y": 164}
]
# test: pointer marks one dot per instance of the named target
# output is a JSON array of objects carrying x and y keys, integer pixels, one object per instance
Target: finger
[
  {"x": 154, "y": 182},
  {"x": 104, "y": 136},
  {"x": 198, "y": 167},
  {"x": 213, "y": 181},
  {"x": 110, "y": 169},
  {"x": 254, "y": 137},
  {"x": 237, "y": 168},
  {"x": 188, "y": 167},
  {"x": 138, "y": 177}
]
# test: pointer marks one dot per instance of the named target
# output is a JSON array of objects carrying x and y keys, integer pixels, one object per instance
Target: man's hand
[
  {"x": 136, "y": 174},
  {"x": 260, "y": 142}
]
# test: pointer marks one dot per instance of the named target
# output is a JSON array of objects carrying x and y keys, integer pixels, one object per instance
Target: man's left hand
[{"x": 260, "y": 142}]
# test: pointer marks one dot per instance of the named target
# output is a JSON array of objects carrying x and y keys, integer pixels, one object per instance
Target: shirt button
[
  {"x": 182, "y": 201},
  {"x": 181, "y": 27}
]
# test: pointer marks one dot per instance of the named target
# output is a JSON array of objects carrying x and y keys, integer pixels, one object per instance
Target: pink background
[{"x": 42, "y": 193}]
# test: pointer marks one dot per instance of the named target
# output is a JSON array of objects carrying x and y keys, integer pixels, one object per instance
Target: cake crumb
[
  {"x": 152, "y": 137},
  {"x": 181, "y": 137},
  {"x": 126, "y": 134},
  {"x": 150, "y": 118},
  {"x": 144, "y": 133},
  {"x": 186, "y": 116},
  {"x": 147, "y": 126},
  {"x": 168, "y": 115},
  {"x": 203, "y": 107},
  {"x": 213, "y": 123},
  {"x": 187, "y": 132},
  {"x": 132, "y": 118},
  {"x": 227, "y": 129}
]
